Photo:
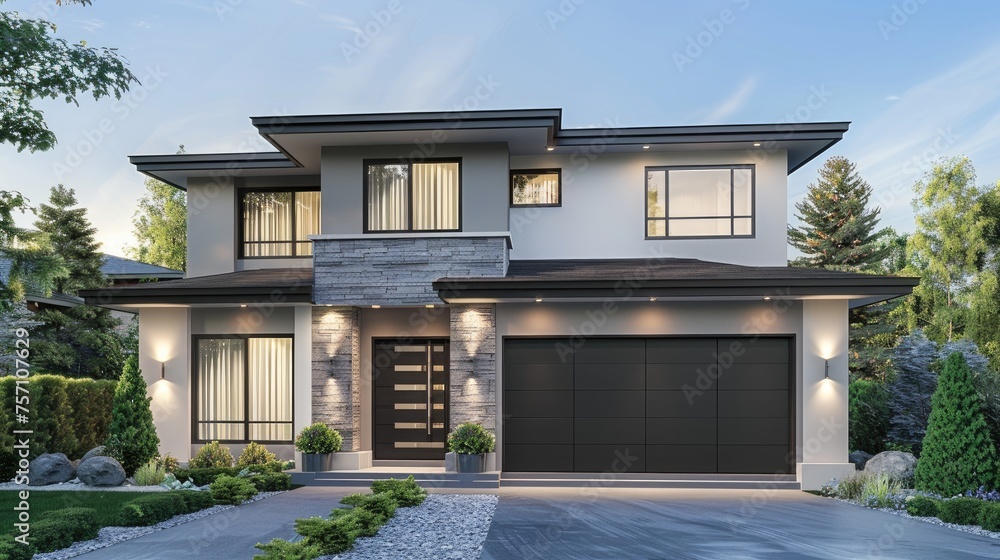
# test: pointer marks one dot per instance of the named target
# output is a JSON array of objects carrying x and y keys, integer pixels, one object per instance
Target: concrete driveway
[{"x": 716, "y": 524}]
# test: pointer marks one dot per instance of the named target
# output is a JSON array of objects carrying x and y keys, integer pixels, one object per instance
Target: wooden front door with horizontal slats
[{"x": 411, "y": 399}]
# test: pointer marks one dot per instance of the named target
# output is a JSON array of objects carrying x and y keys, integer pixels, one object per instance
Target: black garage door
[{"x": 669, "y": 405}]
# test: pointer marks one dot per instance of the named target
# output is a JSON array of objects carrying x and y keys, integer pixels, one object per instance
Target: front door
[{"x": 411, "y": 399}]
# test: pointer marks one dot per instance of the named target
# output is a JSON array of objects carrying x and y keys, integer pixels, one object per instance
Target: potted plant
[
  {"x": 318, "y": 443},
  {"x": 471, "y": 442}
]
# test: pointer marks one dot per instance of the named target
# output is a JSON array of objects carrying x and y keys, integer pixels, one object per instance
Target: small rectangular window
[
  {"x": 278, "y": 223},
  {"x": 536, "y": 187},
  {"x": 710, "y": 201}
]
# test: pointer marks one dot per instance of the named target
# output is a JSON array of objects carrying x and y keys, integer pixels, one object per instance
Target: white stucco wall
[
  {"x": 165, "y": 337},
  {"x": 211, "y": 226},
  {"x": 603, "y": 210},
  {"x": 403, "y": 323},
  {"x": 823, "y": 434}
]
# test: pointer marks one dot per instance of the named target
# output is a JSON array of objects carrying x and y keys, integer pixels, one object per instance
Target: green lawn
[{"x": 107, "y": 504}]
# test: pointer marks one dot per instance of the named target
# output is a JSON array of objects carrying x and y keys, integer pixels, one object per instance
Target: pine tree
[
  {"x": 912, "y": 389},
  {"x": 132, "y": 438},
  {"x": 958, "y": 452},
  {"x": 839, "y": 230},
  {"x": 71, "y": 236}
]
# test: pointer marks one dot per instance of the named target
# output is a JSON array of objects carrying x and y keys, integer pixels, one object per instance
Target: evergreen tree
[
  {"x": 71, "y": 236},
  {"x": 868, "y": 402},
  {"x": 839, "y": 229},
  {"x": 132, "y": 438},
  {"x": 912, "y": 388},
  {"x": 958, "y": 453},
  {"x": 25, "y": 262},
  {"x": 985, "y": 378},
  {"x": 80, "y": 341},
  {"x": 160, "y": 226}
]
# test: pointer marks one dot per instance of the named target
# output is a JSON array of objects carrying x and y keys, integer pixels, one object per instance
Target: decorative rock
[
  {"x": 50, "y": 468},
  {"x": 101, "y": 471},
  {"x": 898, "y": 464},
  {"x": 95, "y": 452},
  {"x": 859, "y": 458}
]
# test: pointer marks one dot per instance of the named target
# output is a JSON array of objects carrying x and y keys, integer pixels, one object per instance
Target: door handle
[{"x": 430, "y": 404}]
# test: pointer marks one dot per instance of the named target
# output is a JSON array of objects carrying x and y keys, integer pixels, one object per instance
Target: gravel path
[
  {"x": 109, "y": 536},
  {"x": 445, "y": 526}
]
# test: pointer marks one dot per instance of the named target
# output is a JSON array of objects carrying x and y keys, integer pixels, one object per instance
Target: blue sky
[{"x": 918, "y": 78}]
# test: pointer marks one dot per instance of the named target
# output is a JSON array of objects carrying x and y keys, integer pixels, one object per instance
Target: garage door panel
[
  {"x": 539, "y": 351},
  {"x": 538, "y": 458},
  {"x": 753, "y": 431},
  {"x": 610, "y": 404},
  {"x": 679, "y": 377},
  {"x": 753, "y": 404},
  {"x": 674, "y": 404},
  {"x": 611, "y": 351},
  {"x": 754, "y": 376},
  {"x": 610, "y": 377},
  {"x": 613, "y": 431},
  {"x": 539, "y": 430},
  {"x": 754, "y": 459},
  {"x": 681, "y": 431},
  {"x": 539, "y": 377},
  {"x": 682, "y": 458},
  {"x": 613, "y": 458},
  {"x": 755, "y": 351},
  {"x": 681, "y": 351},
  {"x": 539, "y": 404}
]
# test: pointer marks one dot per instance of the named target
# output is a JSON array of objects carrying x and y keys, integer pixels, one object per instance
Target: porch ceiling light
[
  {"x": 243, "y": 305},
  {"x": 645, "y": 147},
  {"x": 376, "y": 306},
  {"x": 767, "y": 298},
  {"x": 550, "y": 148},
  {"x": 429, "y": 306},
  {"x": 653, "y": 298},
  {"x": 538, "y": 300},
  {"x": 756, "y": 144}
]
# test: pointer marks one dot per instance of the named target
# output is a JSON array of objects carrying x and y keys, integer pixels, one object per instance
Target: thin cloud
[
  {"x": 734, "y": 102},
  {"x": 89, "y": 24},
  {"x": 892, "y": 98}
]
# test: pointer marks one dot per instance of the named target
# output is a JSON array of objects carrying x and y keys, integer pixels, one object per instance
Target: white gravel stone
[
  {"x": 974, "y": 529},
  {"x": 109, "y": 536},
  {"x": 444, "y": 527},
  {"x": 76, "y": 484}
]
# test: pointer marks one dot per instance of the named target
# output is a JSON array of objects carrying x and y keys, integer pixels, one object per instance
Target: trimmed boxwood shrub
[
  {"x": 82, "y": 520},
  {"x": 57, "y": 532},
  {"x": 471, "y": 438},
  {"x": 13, "y": 550},
  {"x": 255, "y": 454},
  {"x": 922, "y": 506},
  {"x": 962, "y": 511},
  {"x": 232, "y": 490},
  {"x": 318, "y": 438},
  {"x": 150, "y": 510},
  {"x": 196, "y": 501},
  {"x": 271, "y": 481},
  {"x": 406, "y": 492},
  {"x": 989, "y": 517}
]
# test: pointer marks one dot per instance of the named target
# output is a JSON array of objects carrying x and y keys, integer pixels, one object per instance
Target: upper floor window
[
  {"x": 406, "y": 196},
  {"x": 700, "y": 201},
  {"x": 536, "y": 187},
  {"x": 278, "y": 222}
]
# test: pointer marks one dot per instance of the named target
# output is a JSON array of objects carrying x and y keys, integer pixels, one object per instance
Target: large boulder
[
  {"x": 95, "y": 452},
  {"x": 101, "y": 471},
  {"x": 50, "y": 468},
  {"x": 897, "y": 464},
  {"x": 860, "y": 459}
]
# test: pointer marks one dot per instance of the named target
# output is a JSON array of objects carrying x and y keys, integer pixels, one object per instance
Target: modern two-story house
[{"x": 606, "y": 300}]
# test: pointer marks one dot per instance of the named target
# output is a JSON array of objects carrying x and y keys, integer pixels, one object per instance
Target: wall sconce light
[
  {"x": 827, "y": 368},
  {"x": 163, "y": 370}
]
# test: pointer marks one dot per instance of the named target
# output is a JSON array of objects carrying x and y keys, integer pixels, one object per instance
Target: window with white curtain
[
  {"x": 407, "y": 196},
  {"x": 243, "y": 389},
  {"x": 278, "y": 223},
  {"x": 711, "y": 201},
  {"x": 536, "y": 187}
]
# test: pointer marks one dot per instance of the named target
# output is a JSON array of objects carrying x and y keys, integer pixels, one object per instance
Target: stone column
[
  {"x": 473, "y": 365},
  {"x": 336, "y": 372}
]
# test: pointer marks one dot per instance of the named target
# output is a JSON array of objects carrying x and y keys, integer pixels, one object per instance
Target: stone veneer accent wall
[
  {"x": 336, "y": 372},
  {"x": 399, "y": 270},
  {"x": 473, "y": 365}
]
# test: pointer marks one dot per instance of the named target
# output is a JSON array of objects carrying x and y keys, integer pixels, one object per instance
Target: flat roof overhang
[{"x": 271, "y": 286}]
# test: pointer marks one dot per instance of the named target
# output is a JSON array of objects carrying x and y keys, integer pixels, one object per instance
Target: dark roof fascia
[
  {"x": 392, "y": 122},
  {"x": 133, "y": 296},
  {"x": 479, "y": 288},
  {"x": 149, "y": 164}
]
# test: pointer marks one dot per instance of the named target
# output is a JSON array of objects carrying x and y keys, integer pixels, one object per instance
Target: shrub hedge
[
  {"x": 203, "y": 476},
  {"x": 989, "y": 517},
  {"x": 69, "y": 416},
  {"x": 962, "y": 511},
  {"x": 922, "y": 506},
  {"x": 271, "y": 481},
  {"x": 232, "y": 490},
  {"x": 150, "y": 510},
  {"x": 13, "y": 550}
]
